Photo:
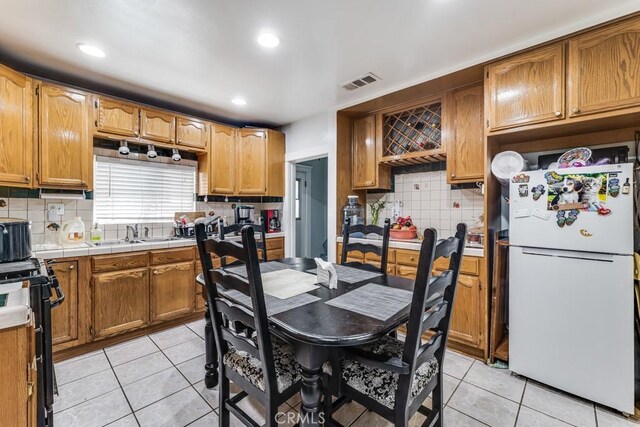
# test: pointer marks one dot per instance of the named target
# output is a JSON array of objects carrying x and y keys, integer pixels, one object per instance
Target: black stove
[{"x": 42, "y": 287}]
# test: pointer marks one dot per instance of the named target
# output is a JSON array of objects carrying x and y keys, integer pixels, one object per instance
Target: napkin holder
[{"x": 326, "y": 273}]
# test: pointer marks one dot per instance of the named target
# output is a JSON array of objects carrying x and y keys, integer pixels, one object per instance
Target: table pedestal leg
[
  {"x": 311, "y": 359},
  {"x": 311, "y": 393},
  {"x": 211, "y": 353}
]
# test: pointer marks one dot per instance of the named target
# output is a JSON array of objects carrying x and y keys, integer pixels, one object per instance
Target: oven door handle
[{"x": 59, "y": 294}]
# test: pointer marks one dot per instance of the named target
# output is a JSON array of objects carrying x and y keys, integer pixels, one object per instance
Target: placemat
[
  {"x": 351, "y": 274},
  {"x": 377, "y": 301},
  {"x": 285, "y": 284},
  {"x": 274, "y": 305},
  {"x": 265, "y": 267}
]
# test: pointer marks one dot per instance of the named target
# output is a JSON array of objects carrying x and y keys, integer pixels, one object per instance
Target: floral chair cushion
[
  {"x": 379, "y": 384},
  {"x": 250, "y": 368}
]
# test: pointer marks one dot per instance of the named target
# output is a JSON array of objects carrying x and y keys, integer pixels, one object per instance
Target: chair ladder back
[
  {"x": 381, "y": 251},
  {"x": 235, "y": 229}
]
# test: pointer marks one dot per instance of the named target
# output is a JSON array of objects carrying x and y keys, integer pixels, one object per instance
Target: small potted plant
[{"x": 376, "y": 207}]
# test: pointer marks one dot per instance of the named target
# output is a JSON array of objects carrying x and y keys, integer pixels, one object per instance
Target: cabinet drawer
[
  {"x": 391, "y": 258},
  {"x": 275, "y": 254},
  {"x": 274, "y": 243},
  {"x": 119, "y": 262},
  {"x": 407, "y": 257},
  {"x": 391, "y": 268},
  {"x": 171, "y": 255},
  {"x": 405, "y": 271},
  {"x": 470, "y": 265}
]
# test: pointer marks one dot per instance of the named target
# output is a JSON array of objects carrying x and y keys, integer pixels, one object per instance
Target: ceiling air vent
[{"x": 360, "y": 81}]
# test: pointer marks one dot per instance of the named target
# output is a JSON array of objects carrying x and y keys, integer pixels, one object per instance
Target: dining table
[{"x": 320, "y": 328}]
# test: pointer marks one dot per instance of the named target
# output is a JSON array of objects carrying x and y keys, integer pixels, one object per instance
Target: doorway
[{"x": 310, "y": 208}]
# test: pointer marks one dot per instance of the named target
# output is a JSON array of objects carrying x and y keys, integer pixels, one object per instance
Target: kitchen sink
[
  {"x": 115, "y": 242},
  {"x": 158, "y": 239}
]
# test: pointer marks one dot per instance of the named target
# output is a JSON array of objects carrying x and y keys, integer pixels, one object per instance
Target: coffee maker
[
  {"x": 244, "y": 214},
  {"x": 271, "y": 220}
]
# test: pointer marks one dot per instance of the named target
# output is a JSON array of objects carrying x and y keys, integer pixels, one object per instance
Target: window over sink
[{"x": 135, "y": 191}]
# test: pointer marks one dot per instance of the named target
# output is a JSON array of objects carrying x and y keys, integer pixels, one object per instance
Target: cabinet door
[
  {"x": 527, "y": 88},
  {"x": 64, "y": 318},
  {"x": 157, "y": 126},
  {"x": 251, "y": 175},
  {"x": 466, "y": 319},
  {"x": 16, "y": 130},
  {"x": 222, "y": 162},
  {"x": 464, "y": 136},
  {"x": 116, "y": 117},
  {"x": 191, "y": 132},
  {"x": 604, "y": 69},
  {"x": 172, "y": 291},
  {"x": 275, "y": 163},
  {"x": 364, "y": 152},
  {"x": 120, "y": 301},
  {"x": 66, "y": 149}
]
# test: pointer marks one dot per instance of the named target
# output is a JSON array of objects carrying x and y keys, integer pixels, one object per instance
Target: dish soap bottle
[{"x": 96, "y": 233}]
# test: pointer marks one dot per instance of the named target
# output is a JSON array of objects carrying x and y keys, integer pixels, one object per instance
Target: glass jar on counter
[{"x": 353, "y": 210}]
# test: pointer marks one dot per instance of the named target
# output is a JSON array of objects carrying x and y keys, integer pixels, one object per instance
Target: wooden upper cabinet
[
  {"x": 65, "y": 145},
  {"x": 16, "y": 130},
  {"x": 157, "y": 126},
  {"x": 116, "y": 117},
  {"x": 526, "y": 88},
  {"x": 120, "y": 301},
  {"x": 275, "y": 163},
  {"x": 191, "y": 132},
  {"x": 64, "y": 319},
  {"x": 604, "y": 69},
  {"x": 464, "y": 136},
  {"x": 365, "y": 161},
  {"x": 222, "y": 160},
  {"x": 251, "y": 171}
]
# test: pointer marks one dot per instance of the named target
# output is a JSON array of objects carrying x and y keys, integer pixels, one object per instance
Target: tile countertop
[
  {"x": 413, "y": 244},
  {"x": 49, "y": 251}
]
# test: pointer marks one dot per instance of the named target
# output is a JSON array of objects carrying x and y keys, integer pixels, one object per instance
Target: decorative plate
[{"x": 580, "y": 155}]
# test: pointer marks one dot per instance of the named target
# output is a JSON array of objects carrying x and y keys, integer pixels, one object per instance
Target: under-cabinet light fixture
[
  {"x": 151, "y": 151},
  {"x": 175, "y": 155},
  {"x": 124, "y": 148}
]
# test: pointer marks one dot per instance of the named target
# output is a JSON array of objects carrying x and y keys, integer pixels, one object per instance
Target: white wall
[{"x": 308, "y": 139}]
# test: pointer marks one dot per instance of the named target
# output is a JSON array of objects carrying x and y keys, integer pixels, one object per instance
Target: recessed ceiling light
[
  {"x": 91, "y": 50},
  {"x": 269, "y": 40},
  {"x": 239, "y": 101}
]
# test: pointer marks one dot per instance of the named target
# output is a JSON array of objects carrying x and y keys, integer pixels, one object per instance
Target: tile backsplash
[
  {"x": 35, "y": 210},
  {"x": 430, "y": 202}
]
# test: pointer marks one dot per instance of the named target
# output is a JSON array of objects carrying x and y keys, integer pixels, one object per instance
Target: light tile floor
[{"x": 157, "y": 380}]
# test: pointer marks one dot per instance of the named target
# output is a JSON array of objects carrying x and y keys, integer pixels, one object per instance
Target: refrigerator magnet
[
  {"x": 537, "y": 191},
  {"x": 603, "y": 211},
  {"x": 523, "y": 190},
  {"x": 544, "y": 215},
  {"x": 626, "y": 187},
  {"x": 585, "y": 233},
  {"x": 520, "y": 178}
]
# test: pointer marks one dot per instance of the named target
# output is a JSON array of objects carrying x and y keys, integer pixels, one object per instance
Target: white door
[
  {"x": 533, "y": 224},
  {"x": 302, "y": 211},
  {"x": 571, "y": 322}
]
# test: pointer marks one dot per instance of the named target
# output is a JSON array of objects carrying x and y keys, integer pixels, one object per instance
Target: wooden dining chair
[
  {"x": 381, "y": 251},
  {"x": 235, "y": 230},
  {"x": 262, "y": 365},
  {"x": 391, "y": 377}
]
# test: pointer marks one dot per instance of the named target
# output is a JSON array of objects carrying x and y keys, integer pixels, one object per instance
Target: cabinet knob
[
  {"x": 156, "y": 272},
  {"x": 558, "y": 113},
  {"x": 453, "y": 175},
  {"x": 71, "y": 267},
  {"x": 412, "y": 259},
  {"x": 576, "y": 111},
  {"x": 27, "y": 179}
]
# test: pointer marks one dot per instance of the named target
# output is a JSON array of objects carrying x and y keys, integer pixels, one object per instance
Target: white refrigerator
[{"x": 571, "y": 295}]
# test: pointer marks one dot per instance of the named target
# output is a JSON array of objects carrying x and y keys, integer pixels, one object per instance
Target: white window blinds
[{"x": 133, "y": 191}]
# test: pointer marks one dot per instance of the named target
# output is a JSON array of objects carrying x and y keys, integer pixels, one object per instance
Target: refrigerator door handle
[{"x": 586, "y": 256}]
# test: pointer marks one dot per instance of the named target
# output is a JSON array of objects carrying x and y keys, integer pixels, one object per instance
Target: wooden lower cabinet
[
  {"x": 120, "y": 301},
  {"x": 18, "y": 376},
  {"x": 466, "y": 321},
  {"x": 64, "y": 318},
  {"x": 172, "y": 291}
]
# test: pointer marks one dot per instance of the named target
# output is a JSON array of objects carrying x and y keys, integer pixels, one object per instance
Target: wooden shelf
[{"x": 415, "y": 158}]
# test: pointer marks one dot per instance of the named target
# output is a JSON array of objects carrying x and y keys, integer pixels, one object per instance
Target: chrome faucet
[{"x": 134, "y": 232}]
